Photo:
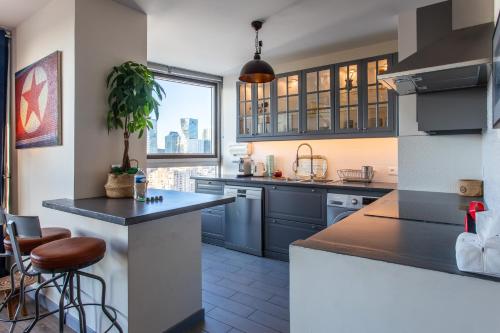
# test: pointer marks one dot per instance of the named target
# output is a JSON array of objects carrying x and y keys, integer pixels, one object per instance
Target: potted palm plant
[{"x": 134, "y": 97}]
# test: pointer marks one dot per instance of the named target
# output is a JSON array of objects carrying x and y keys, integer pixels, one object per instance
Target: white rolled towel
[
  {"x": 480, "y": 253},
  {"x": 491, "y": 256},
  {"x": 469, "y": 253},
  {"x": 487, "y": 225}
]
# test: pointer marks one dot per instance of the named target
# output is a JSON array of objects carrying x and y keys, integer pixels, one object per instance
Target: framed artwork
[
  {"x": 38, "y": 103},
  {"x": 496, "y": 76}
]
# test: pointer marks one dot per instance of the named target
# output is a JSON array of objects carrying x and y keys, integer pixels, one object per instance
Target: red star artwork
[
  {"x": 38, "y": 103},
  {"x": 31, "y": 96}
]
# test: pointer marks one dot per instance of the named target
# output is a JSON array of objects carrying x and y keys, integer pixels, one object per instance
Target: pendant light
[{"x": 257, "y": 70}]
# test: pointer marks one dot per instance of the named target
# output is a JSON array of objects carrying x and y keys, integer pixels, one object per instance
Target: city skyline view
[{"x": 189, "y": 102}]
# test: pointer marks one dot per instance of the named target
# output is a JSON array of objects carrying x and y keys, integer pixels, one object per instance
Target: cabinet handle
[
  {"x": 274, "y": 187},
  {"x": 313, "y": 190},
  {"x": 210, "y": 182}
]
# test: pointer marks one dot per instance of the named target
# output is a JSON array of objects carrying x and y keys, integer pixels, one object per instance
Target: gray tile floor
[{"x": 243, "y": 293}]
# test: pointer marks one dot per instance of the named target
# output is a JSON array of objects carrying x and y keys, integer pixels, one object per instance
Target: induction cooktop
[{"x": 446, "y": 208}]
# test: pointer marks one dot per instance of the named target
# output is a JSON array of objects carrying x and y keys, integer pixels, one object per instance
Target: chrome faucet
[{"x": 297, "y": 158}]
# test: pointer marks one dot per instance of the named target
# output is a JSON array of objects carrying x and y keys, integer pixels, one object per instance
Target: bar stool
[
  {"x": 17, "y": 281},
  {"x": 64, "y": 258}
]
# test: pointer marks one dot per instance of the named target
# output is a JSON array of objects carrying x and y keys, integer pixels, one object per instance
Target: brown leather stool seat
[
  {"x": 68, "y": 254},
  {"x": 26, "y": 245}
]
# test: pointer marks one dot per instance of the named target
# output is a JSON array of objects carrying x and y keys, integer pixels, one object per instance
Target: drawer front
[
  {"x": 209, "y": 187},
  {"x": 301, "y": 204},
  {"x": 279, "y": 234},
  {"x": 212, "y": 223}
]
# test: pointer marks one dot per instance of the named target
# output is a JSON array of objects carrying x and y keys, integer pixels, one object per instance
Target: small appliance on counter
[
  {"x": 245, "y": 167},
  {"x": 259, "y": 169},
  {"x": 241, "y": 155}
]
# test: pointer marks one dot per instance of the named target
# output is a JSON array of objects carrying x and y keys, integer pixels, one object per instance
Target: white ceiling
[
  {"x": 215, "y": 36},
  {"x": 14, "y": 12}
]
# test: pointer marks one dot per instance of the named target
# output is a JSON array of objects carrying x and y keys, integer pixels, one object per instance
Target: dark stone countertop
[
  {"x": 128, "y": 211},
  {"x": 373, "y": 186},
  {"x": 428, "y": 242}
]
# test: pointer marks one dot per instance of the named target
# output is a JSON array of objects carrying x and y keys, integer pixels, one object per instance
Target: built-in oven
[{"x": 340, "y": 206}]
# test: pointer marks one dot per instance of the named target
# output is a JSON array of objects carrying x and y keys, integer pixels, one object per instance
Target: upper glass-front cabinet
[
  {"x": 348, "y": 113},
  {"x": 334, "y": 101},
  {"x": 380, "y": 101},
  {"x": 264, "y": 118},
  {"x": 245, "y": 109},
  {"x": 288, "y": 88},
  {"x": 254, "y": 109},
  {"x": 318, "y": 87}
]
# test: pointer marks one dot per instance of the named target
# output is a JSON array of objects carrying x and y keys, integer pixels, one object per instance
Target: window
[
  {"x": 187, "y": 123},
  {"x": 184, "y": 142}
]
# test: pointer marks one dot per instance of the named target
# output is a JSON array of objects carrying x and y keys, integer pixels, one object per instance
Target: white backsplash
[{"x": 381, "y": 153}]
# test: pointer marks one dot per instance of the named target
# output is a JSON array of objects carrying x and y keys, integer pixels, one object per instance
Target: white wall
[
  {"x": 93, "y": 35},
  {"x": 491, "y": 149},
  {"x": 107, "y": 35},
  {"x": 48, "y": 173},
  {"x": 435, "y": 163},
  {"x": 350, "y": 153}
]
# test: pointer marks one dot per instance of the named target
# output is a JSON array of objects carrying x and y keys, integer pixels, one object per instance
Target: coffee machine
[
  {"x": 241, "y": 153},
  {"x": 245, "y": 167}
]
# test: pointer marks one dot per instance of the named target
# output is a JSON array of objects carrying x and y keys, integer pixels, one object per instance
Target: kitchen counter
[
  {"x": 128, "y": 211},
  {"x": 410, "y": 228},
  {"x": 147, "y": 244},
  {"x": 390, "y": 267},
  {"x": 373, "y": 186}
]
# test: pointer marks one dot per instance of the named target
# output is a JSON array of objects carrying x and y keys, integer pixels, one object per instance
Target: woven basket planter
[{"x": 120, "y": 185}]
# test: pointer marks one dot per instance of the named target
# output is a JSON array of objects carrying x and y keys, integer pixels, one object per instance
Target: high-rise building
[
  {"x": 172, "y": 143},
  {"x": 207, "y": 141},
  {"x": 152, "y": 138},
  {"x": 205, "y": 134},
  {"x": 189, "y": 128}
]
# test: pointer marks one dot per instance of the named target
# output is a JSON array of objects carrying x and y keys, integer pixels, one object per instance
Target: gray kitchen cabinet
[
  {"x": 301, "y": 204},
  {"x": 288, "y": 104},
  {"x": 246, "y": 109},
  {"x": 380, "y": 103},
  {"x": 212, "y": 219},
  {"x": 255, "y": 110},
  {"x": 318, "y": 87},
  {"x": 335, "y": 101},
  {"x": 348, "y": 109},
  {"x": 279, "y": 234}
]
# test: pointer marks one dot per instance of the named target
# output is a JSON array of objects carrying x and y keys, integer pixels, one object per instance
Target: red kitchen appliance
[{"x": 470, "y": 217}]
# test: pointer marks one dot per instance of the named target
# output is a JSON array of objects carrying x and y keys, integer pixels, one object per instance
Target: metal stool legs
[
  {"x": 83, "y": 320},
  {"x": 114, "y": 322},
  {"x": 68, "y": 288},
  {"x": 13, "y": 269},
  {"x": 37, "y": 300}
]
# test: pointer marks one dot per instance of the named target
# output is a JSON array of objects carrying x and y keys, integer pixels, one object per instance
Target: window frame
[{"x": 179, "y": 159}]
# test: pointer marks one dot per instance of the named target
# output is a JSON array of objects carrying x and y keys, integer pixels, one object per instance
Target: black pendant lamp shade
[{"x": 257, "y": 70}]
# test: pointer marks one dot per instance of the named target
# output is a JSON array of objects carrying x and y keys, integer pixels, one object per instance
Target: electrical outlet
[{"x": 392, "y": 171}]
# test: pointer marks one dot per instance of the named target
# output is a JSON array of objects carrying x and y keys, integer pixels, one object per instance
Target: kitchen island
[
  {"x": 391, "y": 267},
  {"x": 152, "y": 266}
]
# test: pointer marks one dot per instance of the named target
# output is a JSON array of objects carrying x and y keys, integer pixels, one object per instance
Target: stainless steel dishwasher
[{"x": 243, "y": 226}]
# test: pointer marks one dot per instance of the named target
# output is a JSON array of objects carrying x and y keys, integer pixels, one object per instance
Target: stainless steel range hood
[{"x": 460, "y": 59}]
